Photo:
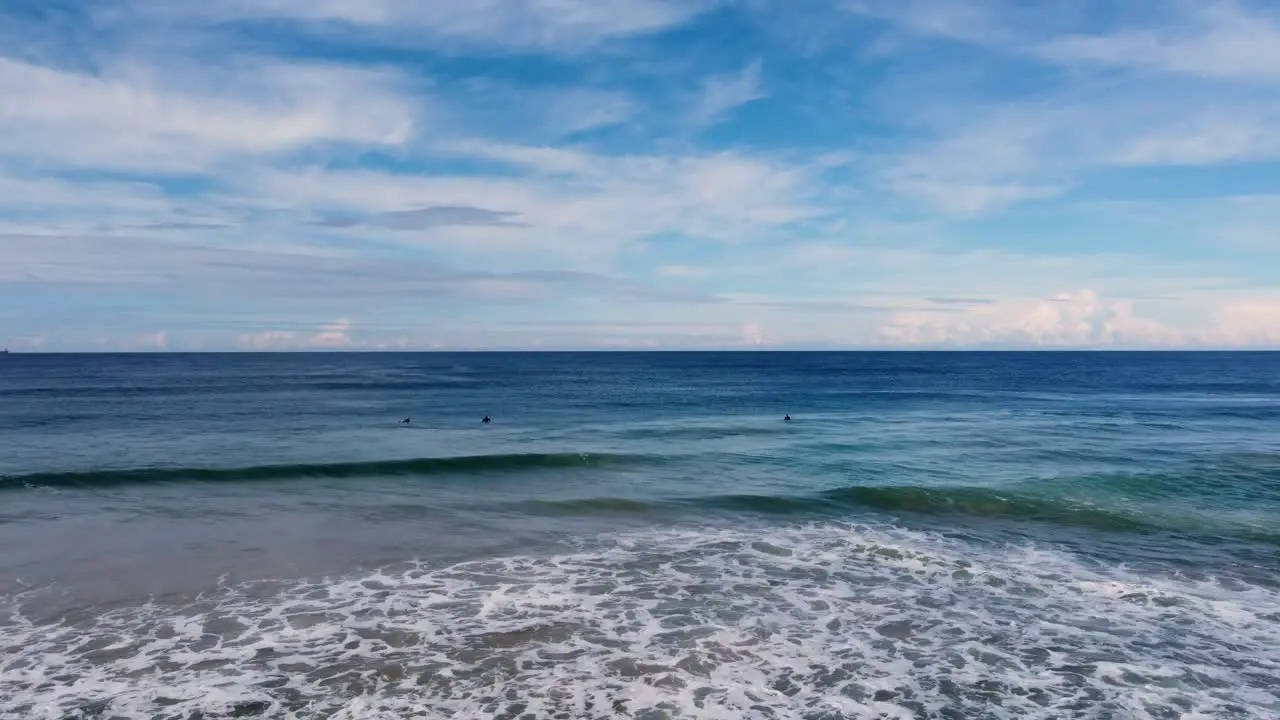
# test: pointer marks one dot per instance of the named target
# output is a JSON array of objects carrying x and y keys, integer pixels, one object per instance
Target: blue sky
[{"x": 498, "y": 174}]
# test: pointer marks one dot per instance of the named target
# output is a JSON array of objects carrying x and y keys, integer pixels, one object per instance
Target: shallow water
[{"x": 640, "y": 535}]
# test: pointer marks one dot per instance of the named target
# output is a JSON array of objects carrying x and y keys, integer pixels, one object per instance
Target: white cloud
[
  {"x": 683, "y": 271},
  {"x": 485, "y": 106},
  {"x": 34, "y": 205},
  {"x": 1211, "y": 39},
  {"x": 1198, "y": 91},
  {"x": 905, "y": 271},
  {"x": 153, "y": 341},
  {"x": 721, "y": 94},
  {"x": 997, "y": 156},
  {"x": 1078, "y": 319},
  {"x": 951, "y": 190},
  {"x": 26, "y": 192},
  {"x": 1206, "y": 137},
  {"x": 336, "y": 334},
  {"x": 578, "y": 110},
  {"x": 329, "y": 336},
  {"x": 577, "y": 206},
  {"x": 1216, "y": 40},
  {"x": 992, "y": 158},
  {"x": 268, "y": 340},
  {"x": 753, "y": 335},
  {"x": 1244, "y": 320},
  {"x": 493, "y": 201},
  {"x": 552, "y": 25},
  {"x": 151, "y": 118},
  {"x": 969, "y": 20}
]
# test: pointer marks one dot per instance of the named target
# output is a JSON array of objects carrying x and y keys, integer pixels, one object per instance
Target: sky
[{"x": 638, "y": 174}]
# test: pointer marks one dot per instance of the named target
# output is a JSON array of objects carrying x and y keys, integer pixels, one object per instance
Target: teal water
[{"x": 641, "y": 535}]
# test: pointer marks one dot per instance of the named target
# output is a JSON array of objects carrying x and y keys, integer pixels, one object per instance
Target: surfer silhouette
[
  {"x": 486, "y": 420},
  {"x": 787, "y": 418},
  {"x": 405, "y": 421}
]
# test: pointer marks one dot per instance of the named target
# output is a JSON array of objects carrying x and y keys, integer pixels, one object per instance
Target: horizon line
[{"x": 735, "y": 351}]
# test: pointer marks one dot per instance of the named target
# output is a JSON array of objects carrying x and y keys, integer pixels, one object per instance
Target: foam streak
[{"x": 817, "y": 621}]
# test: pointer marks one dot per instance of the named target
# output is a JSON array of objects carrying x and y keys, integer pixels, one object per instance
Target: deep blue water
[{"x": 641, "y": 535}]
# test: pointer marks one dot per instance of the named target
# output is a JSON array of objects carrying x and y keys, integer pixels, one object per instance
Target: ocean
[{"x": 931, "y": 535}]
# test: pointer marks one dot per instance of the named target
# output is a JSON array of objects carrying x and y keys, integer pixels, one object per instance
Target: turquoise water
[{"x": 640, "y": 535}]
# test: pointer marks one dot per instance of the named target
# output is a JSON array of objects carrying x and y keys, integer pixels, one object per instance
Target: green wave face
[
  {"x": 508, "y": 463},
  {"x": 987, "y": 503},
  {"x": 1106, "y": 503},
  {"x": 920, "y": 501}
]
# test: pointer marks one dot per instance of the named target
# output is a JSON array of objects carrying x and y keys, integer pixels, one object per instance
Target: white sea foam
[{"x": 820, "y": 621}]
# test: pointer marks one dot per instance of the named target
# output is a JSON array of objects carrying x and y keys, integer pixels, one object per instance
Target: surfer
[
  {"x": 405, "y": 421},
  {"x": 787, "y": 418},
  {"x": 486, "y": 420}
]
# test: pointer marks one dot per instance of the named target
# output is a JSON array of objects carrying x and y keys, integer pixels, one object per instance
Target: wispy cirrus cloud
[
  {"x": 427, "y": 218},
  {"x": 519, "y": 25},
  {"x": 721, "y": 94},
  {"x": 184, "y": 120},
  {"x": 1184, "y": 84},
  {"x": 1223, "y": 40},
  {"x": 580, "y": 207},
  {"x": 1033, "y": 151}
]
